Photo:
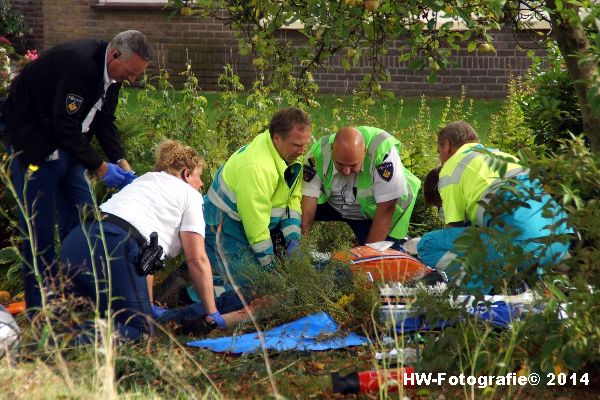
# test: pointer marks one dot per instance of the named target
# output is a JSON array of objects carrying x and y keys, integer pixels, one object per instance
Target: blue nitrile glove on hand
[
  {"x": 218, "y": 319},
  {"x": 292, "y": 246},
  {"x": 129, "y": 177},
  {"x": 115, "y": 176},
  {"x": 157, "y": 311}
]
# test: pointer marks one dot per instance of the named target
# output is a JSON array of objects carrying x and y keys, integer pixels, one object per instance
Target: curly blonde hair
[{"x": 173, "y": 157}]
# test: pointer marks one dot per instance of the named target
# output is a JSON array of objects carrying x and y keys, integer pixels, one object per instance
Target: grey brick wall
[{"x": 32, "y": 11}]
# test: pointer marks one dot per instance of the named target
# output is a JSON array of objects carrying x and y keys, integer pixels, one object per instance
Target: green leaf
[
  {"x": 345, "y": 63},
  {"x": 557, "y": 293},
  {"x": 8, "y": 255}
]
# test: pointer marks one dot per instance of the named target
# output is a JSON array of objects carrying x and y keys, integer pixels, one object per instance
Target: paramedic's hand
[
  {"x": 218, "y": 320},
  {"x": 112, "y": 175},
  {"x": 157, "y": 311},
  {"x": 292, "y": 246},
  {"x": 267, "y": 262}
]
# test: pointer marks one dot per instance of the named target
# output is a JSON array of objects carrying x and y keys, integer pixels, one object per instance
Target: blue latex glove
[
  {"x": 157, "y": 311},
  {"x": 292, "y": 246},
  {"x": 115, "y": 176},
  {"x": 216, "y": 316},
  {"x": 129, "y": 177}
]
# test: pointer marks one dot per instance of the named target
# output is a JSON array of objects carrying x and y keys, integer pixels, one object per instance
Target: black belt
[{"x": 121, "y": 223}]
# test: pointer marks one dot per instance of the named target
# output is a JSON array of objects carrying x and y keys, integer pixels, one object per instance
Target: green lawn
[{"x": 390, "y": 114}]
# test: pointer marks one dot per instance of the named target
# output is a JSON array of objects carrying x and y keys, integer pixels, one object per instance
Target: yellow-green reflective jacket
[
  {"x": 378, "y": 143},
  {"x": 469, "y": 176},
  {"x": 258, "y": 188}
]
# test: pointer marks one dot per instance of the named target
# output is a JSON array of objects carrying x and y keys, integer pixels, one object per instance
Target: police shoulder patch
[
  {"x": 309, "y": 173},
  {"x": 73, "y": 103},
  {"x": 386, "y": 171}
]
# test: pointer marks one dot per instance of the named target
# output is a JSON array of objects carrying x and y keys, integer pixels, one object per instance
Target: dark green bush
[
  {"x": 12, "y": 23},
  {"x": 551, "y": 107}
]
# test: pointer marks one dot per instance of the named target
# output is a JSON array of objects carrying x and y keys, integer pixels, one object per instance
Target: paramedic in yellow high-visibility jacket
[
  {"x": 491, "y": 190},
  {"x": 256, "y": 192}
]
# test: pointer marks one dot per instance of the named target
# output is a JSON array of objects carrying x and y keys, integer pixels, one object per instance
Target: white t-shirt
[
  {"x": 343, "y": 188},
  {"x": 162, "y": 203}
]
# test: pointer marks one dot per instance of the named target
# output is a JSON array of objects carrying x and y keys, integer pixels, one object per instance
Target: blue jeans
[
  {"x": 85, "y": 269},
  {"x": 54, "y": 194}
]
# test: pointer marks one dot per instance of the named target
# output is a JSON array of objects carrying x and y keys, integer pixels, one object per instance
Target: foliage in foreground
[{"x": 542, "y": 342}]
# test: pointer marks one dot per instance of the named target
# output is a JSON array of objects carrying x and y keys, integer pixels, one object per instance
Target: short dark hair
[
  {"x": 458, "y": 133},
  {"x": 430, "y": 188},
  {"x": 284, "y": 120},
  {"x": 132, "y": 42}
]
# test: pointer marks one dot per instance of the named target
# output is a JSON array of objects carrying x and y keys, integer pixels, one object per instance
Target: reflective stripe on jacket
[
  {"x": 378, "y": 143},
  {"x": 469, "y": 176},
  {"x": 258, "y": 188}
]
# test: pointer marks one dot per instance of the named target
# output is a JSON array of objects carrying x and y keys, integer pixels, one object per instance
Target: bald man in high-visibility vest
[
  {"x": 488, "y": 188},
  {"x": 356, "y": 176}
]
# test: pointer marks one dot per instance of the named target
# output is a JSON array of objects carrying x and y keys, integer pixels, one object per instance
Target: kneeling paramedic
[
  {"x": 473, "y": 191},
  {"x": 254, "y": 194}
]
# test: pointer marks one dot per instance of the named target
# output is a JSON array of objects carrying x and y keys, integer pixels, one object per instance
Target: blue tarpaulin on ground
[{"x": 312, "y": 333}]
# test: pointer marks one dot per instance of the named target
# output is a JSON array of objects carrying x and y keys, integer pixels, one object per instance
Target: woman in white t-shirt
[{"x": 167, "y": 202}]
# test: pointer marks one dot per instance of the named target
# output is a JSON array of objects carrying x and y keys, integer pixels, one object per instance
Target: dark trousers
[
  {"x": 360, "y": 227},
  {"x": 86, "y": 270},
  {"x": 53, "y": 194}
]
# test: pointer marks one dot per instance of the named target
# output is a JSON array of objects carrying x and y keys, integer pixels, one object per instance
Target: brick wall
[
  {"x": 210, "y": 44},
  {"x": 32, "y": 11}
]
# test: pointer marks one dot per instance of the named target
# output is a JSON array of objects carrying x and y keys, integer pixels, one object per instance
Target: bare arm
[
  {"x": 199, "y": 267},
  {"x": 150, "y": 283},
  {"x": 124, "y": 164},
  {"x": 381, "y": 221},
  {"x": 309, "y": 210}
]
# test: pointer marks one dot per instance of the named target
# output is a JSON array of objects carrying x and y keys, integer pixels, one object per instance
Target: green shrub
[
  {"x": 509, "y": 129},
  {"x": 12, "y": 23},
  {"x": 562, "y": 335},
  {"x": 551, "y": 107}
]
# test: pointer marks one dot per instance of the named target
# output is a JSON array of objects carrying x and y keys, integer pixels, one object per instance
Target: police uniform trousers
[
  {"x": 54, "y": 192},
  {"x": 360, "y": 227},
  {"x": 120, "y": 287}
]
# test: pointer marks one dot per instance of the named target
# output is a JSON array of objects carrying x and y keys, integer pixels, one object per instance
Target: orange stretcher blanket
[{"x": 384, "y": 265}]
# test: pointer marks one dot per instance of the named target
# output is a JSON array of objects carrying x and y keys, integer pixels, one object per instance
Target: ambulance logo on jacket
[
  {"x": 73, "y": 103},
  {"x": 386, "y": 171}
]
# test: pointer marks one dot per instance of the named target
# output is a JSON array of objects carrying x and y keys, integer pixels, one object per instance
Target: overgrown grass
[{"x": 393, "y": 113}]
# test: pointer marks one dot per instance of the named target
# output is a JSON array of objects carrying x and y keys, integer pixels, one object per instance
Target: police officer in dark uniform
[{"x": 54, "y": 108}]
